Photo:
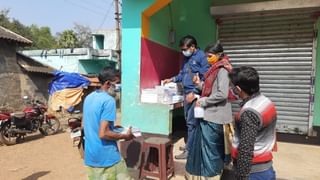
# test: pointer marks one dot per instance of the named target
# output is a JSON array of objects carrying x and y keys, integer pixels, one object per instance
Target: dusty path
[
  {"x": 51, "y": 157},
  {"x": 54, "y": 158}
]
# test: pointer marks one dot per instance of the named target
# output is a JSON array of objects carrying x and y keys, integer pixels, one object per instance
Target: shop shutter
[{"x": 280, "y": 47}]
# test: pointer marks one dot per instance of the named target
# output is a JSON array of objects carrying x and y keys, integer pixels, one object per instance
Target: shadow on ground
[
  {"x": 37, "y": 175},
  {"x": 298, "y": 139},
  {"x": 36, "y": 136}
]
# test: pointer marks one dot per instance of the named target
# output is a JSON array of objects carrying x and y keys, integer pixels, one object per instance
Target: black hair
[
  {"x": 214, "y": 48},
  {"x": 188, "y": 41},
  {"x": 247, "y": 78},
  {"x": 107, "y": 74}
]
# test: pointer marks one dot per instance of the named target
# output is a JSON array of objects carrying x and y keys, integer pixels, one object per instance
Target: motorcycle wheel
[
  {"x": 51, "y": 126},
  {"x": 6, "y": 137}
]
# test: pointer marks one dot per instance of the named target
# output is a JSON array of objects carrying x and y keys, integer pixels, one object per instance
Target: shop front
[{"x": 278, "y": 38}]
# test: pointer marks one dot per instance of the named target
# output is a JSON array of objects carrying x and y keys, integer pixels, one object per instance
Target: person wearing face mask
[
  {"x": 255, "y": 128},
  {"x": 207, "y": 155},
  {"x": 194, "y": 62},
  {"x": 102, "y": 156}
]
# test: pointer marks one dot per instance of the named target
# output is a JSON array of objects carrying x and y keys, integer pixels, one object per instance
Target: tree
[
  {"x": 40, "y": 36},
  {"x": 84, "y": 35},
  {"x": 14, "y": 25},
  {"x": 67, "y": 39},
  {"x": 4, "y": 19}
]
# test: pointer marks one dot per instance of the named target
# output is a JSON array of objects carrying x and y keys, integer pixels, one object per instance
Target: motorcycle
[
  {"x": 14, "y": 126},
  {"x": 77, "y": 133}
]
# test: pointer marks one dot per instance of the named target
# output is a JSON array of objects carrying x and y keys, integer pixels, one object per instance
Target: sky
[{"x": 60, "y": 15}]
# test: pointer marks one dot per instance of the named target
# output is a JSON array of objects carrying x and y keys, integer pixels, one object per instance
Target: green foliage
[
  {"x": 14, "y": 25},
  {"x": 42, "y": 37},
  {"x": 67, "y": 39}
]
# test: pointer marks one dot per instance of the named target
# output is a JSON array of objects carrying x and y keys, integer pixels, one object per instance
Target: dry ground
[{"x": 54, "y": 158}]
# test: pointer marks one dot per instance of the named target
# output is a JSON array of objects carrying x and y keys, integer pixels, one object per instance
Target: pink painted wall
[{"x": 157, "y": 62}]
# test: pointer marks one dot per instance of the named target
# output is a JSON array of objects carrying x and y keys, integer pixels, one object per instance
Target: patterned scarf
[{"x": 212, "y": 73}]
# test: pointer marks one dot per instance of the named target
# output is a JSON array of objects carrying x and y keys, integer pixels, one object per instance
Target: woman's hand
[
  {"x": 228, "y": 66},
  {"x": 198, "y": 103}
]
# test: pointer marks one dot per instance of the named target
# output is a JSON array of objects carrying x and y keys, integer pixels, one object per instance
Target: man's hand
[
  {"x": 190, "y": 97},
  {"x": 196, "y": 79},
  {"x": 166, "y": 81},
  {"x": 118, "y": 126},
  {"x": 129, "y": 135}
]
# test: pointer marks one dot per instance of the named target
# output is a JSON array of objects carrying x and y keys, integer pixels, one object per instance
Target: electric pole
[{"x": 118, "y": 33}]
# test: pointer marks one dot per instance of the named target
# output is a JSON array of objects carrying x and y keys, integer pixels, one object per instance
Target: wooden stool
[{"x": 161, "y": 160}]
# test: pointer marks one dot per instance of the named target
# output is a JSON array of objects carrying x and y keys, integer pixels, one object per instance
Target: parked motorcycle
[
  {"x": 77, "y": 133},
  {"x": 75, "y": 129},
  {"x": 15, "y": 126}
]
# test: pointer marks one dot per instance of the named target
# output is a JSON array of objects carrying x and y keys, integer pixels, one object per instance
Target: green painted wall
[
  {"x": 316, "y": 115},
  {"x": 194, "y": 18},
  {"x": 93, "y": 66},
  {"x": 183, "y": 19},
  {"x": 149, "y": 118},
  {"x": 154, "y": 118},
  {"x": 160, "y": 26}
]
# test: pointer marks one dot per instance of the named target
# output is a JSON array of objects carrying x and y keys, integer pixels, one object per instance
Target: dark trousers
[{"x": 191, "y": 122}]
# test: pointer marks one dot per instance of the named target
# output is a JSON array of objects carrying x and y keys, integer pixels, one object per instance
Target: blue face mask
[{"x": 187, "y": 53}]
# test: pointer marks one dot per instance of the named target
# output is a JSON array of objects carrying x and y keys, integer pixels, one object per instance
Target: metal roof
[
  {"x": 9, "y": 35},
  {"x": 31, "y": 65}
]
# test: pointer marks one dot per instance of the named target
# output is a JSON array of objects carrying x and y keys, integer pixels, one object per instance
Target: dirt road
[
  {"x": 51, "y": 157},
  {"x": 54, "y": 158}
]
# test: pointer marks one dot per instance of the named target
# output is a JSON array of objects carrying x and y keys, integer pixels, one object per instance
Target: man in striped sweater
[{"x": 255, "y": 128}]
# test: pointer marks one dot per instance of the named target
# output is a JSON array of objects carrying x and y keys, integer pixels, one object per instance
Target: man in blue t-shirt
[{"x": 102, "y": 155}]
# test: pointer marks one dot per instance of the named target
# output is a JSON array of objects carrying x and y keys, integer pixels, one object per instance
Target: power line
[
  {"x": 89, "y": 6},
  {"x": 83, "y": 7},
  {"x": 106, "y": 15},
  {"x": 95, "y": 6}
]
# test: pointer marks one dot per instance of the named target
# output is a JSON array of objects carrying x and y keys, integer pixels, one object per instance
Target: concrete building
[{"x": 81, "y": 60}]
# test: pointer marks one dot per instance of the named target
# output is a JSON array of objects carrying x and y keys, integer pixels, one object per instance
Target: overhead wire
[
  {"x": 83, "y": 7},
  {"x": 106, "y": 15},
  {"x": 99, "y": 7}
]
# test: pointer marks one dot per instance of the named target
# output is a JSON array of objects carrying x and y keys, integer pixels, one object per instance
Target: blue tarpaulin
[{"x": 63, "y": 80}]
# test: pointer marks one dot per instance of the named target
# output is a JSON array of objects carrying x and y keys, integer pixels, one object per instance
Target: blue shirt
[
  {"x": 99, "y": 106},
  {"x": 196, "y": 63}
]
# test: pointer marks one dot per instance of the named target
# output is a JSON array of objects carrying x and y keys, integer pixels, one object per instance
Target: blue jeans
[
  {"x": 191, "y": 122},
  {"x": 269, "y": 174}
]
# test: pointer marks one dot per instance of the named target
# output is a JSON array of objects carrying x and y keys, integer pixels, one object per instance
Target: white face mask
[
  {"x": 235, "y": 92},
  {"x": 187, "y": 53},
  {"x": 111, "y": 91}
]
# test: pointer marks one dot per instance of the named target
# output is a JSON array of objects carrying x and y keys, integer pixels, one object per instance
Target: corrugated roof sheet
[
  {"x": 31, "y": 65},
  {"x": 9, "y": 35}
]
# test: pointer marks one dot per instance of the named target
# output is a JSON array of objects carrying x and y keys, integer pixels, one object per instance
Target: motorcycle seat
[{"x": 18, "y": 114}]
